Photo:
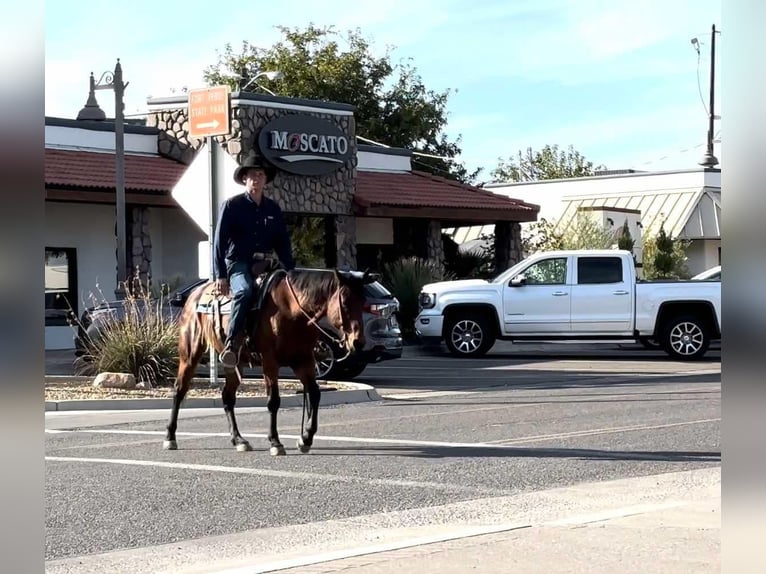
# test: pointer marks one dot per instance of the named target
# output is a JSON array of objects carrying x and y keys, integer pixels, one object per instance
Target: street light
[
  {"x": 113, "y": 81},
  {"x": 270, "y": 75},
  {"x": 709, "y": 160}
]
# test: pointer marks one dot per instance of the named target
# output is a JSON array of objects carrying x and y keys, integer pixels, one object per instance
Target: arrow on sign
[{"x": 214, "y": 124}]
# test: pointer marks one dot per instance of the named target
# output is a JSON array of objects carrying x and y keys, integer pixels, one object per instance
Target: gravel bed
[{"x": 68, "y": 389}]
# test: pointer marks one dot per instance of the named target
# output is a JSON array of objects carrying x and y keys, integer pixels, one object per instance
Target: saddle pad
[{"x": 207, "y": 302}]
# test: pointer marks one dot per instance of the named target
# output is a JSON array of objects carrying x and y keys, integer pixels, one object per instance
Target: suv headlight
[{"x": 426, "y": 300}]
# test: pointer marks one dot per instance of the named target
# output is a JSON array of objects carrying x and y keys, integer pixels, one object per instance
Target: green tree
[
  {"x": 547, "y": 163},
  {"x": 664, "y": 257},
  {"x": 583, "y": 233},
  {"x": 393, "y": 106},
  {"x": 625, "y": 239}
]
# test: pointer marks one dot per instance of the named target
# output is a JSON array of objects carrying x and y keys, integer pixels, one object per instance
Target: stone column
[
  {"x": 141, "y": 260},
  {"x": 345, "y": 241},
  {"x": 502, "y": 245},
  {"x": 517, "y": 249},
  {"x": 508, "y": 248},
  {"x": 434, "y": 243}
]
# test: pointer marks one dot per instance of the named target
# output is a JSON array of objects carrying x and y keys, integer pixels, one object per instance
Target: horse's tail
[{"x": 193, "y": 339}]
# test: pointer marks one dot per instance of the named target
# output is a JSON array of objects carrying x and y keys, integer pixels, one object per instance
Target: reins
[{"x": 317, "y": 316}]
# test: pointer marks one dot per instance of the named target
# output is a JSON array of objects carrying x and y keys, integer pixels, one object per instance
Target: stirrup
[{"x": 228, "y": 358}]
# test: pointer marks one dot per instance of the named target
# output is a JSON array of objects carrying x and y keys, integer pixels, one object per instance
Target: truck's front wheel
[
  {"x": 685, "y": 337},
  {"x": 469, "y": 335}
]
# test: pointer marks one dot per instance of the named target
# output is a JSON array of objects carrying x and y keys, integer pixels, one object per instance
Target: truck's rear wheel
[
  {"x": 685, "y": 337},
  {"x": 469, "y": 335}
]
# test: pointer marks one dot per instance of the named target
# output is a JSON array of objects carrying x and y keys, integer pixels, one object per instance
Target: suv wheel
[
  {"x": 685, "y": 338},
  {"x": 324, "y": 356},
  {"x": 468, "y": 335}
]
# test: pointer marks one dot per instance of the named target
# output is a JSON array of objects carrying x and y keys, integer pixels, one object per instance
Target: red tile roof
[
  {"x": 94, "y": 170},
  {"x": 76, "y": 169},
  {"x": 420, "y": 189}
]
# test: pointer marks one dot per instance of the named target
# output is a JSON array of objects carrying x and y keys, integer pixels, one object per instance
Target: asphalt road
[{"x": 448, "y": 430}]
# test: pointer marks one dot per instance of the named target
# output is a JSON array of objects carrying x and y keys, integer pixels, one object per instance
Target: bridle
[{"x": 313, "y": 320}]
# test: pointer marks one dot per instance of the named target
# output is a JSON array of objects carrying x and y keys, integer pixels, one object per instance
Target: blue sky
[{"x": 616, "y": 80}]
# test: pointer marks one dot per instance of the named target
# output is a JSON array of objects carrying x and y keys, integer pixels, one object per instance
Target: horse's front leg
[
  {"x": 271, "y": 380},
  {"x": 229, "y": 398},
  {"x": 307, "y": 376}
]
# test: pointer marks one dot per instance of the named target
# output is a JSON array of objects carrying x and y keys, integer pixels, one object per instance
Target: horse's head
[{"x": 345, "y": 310}]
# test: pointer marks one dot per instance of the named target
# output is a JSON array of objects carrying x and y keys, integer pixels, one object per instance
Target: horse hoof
[
  {"x": 277, "y": 451},
  {"x": 170, "y": 445},
  {"x": 304, "y": 448},
  {"x": 244, "y": 447}
]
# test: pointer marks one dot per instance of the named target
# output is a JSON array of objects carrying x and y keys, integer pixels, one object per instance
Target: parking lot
[{"x": 451, "y": 440}]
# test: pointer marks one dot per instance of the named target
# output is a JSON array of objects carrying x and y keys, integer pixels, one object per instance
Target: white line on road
[
  {"x": 500, "y": 444},
  {"x": 312, "y": 476},
  {"x": 610, "y": 430}
]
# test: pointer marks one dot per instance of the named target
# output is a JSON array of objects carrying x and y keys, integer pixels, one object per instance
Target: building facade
[
  {"x": 369, "y": 199},
  {"x": 687, "y": 203}
]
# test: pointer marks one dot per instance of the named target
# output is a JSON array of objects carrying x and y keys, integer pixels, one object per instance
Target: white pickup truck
[{"x": 578, "y": 294}]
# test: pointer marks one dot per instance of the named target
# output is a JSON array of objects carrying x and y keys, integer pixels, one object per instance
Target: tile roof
[
  {"x": 420, "y": 189},
  {"x": 95, "y": 170}
]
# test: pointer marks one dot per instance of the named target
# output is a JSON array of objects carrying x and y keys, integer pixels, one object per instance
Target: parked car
[
  {"x": 712, "y": 274},
  {"x": 576, "y": 294},
  {"x": 382, "y": 333}
]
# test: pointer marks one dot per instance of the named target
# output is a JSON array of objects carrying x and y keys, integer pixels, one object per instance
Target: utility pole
[{"x": 710, "y": 160}]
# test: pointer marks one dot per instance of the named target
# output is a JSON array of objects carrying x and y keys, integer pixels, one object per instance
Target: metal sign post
[{"x": 209, "y": 116}]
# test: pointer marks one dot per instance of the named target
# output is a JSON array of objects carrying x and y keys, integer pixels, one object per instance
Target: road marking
[
  {"x": 499, "y": 444},
  {"x": 610, "y": 430},
  {"x": 314, "y": 476}
]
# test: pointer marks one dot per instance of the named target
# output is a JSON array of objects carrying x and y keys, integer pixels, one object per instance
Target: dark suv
[{"x": 384, "y": 339}]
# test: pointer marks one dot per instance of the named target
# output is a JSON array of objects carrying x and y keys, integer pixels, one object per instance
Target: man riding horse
[{"x": 250, "y": 226}]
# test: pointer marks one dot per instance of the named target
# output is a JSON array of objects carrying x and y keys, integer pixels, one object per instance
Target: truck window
[
  {"x": 592, "y": 270},
  {"x": 547, "y": 272}
]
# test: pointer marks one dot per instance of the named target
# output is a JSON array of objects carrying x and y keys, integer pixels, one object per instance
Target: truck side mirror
[{"x": 518, "y": 281}]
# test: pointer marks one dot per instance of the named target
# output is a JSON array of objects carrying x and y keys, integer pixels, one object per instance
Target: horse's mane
[{"x": 313, "y": 285}]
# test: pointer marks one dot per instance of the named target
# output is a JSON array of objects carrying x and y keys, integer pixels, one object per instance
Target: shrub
[
  {"x": 664, "y": 257},
  {"x": 405, "y": 278},
  {"x": 138, "y": 337}
]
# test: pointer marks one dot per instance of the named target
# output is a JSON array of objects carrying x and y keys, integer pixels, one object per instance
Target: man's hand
[{"x": 222, "y": 286}]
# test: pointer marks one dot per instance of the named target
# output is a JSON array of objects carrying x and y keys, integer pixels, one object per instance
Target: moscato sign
[{"x": 304, "y": 145}]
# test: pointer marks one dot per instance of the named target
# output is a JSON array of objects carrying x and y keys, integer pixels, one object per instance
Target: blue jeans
[{"x": 241, "y": 285}]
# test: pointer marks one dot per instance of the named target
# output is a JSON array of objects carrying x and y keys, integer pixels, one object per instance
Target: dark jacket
[{"x": 244, "y": 228}]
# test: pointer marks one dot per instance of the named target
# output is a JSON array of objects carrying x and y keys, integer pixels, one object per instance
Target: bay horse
[{"x": 284, "y": 335}]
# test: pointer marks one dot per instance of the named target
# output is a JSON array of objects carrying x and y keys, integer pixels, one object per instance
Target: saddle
[{"x": 264, "y": 276}]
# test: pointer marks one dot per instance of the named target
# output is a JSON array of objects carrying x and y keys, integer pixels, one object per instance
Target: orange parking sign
[{"x": 209, "y": 112}]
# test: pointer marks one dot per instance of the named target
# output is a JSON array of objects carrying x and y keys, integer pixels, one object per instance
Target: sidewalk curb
[{"x": 361, "y": 393}]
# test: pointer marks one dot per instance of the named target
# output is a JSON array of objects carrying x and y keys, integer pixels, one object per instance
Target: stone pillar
[
  {"x": 517, "y": 249},
  {"x": 345, "y": 241},
  {"x": 434, "y": 243},
  {"x": 141, "y": 257},
  {"x": 508, "y": 250},
  {"x": 502, "y": 246}
]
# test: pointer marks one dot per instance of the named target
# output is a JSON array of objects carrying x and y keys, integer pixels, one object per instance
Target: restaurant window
[{"x": 60, "y": 285}]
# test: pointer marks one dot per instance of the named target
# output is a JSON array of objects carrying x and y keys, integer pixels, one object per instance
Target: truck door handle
[
  {"x": 559, "y": 293},
  {"x": 620, "y": 292}
]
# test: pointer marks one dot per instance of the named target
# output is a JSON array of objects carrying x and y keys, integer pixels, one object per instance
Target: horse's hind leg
[
  {"x": 271, "y": 380},
  {"x": 229, "y": 398},
  {"x": 186, "y": 368},
  {"x": 307, "y": 376}
]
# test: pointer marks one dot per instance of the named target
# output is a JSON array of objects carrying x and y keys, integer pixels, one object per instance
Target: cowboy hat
[{"x": 254, "y": 161}]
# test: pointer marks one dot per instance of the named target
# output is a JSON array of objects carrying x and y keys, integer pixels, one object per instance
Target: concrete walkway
[{"x": 668, "y": 523}]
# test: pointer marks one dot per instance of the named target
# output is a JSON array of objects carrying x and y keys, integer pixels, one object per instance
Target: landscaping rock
[{"x": 115, "y": 381}]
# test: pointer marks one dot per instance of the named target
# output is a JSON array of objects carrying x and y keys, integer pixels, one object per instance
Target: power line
[{"x": 716, "y": 139}]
